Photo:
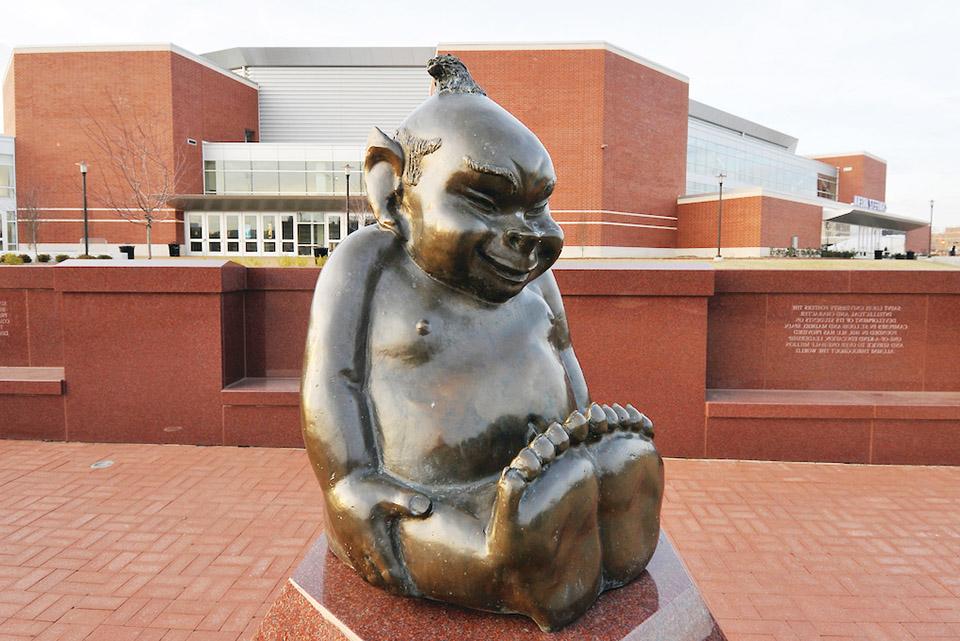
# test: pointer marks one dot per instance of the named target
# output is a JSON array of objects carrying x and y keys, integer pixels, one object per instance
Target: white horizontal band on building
[
  {"x": 607, "y": 222},
  {"x": 611, "y": 212}
]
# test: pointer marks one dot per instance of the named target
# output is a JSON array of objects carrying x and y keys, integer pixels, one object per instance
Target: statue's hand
[{"x": 361, "y": 508}]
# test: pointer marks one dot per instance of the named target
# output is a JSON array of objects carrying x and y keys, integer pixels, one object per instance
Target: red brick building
[
  {"x": 637, "y": 161},
  {"x": 607, "y": 118},
  {"x": 55, "y": 97}
]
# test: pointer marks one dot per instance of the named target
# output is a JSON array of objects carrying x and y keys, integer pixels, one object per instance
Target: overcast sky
[{"x": 879, "y": 75}]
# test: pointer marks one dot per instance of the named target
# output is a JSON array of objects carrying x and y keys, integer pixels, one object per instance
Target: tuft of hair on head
[{"x": 451, "y": 76}]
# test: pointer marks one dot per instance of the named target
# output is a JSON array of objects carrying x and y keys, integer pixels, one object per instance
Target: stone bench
[
  {"x": 32, "y": 401},
  {"x": 263, "y": 412},
  {"x": 844, "y": 426}
]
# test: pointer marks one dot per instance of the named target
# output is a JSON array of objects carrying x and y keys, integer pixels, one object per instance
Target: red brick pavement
[
  {"x": 187, "y": 543},
  {"x": 799, "y": 551}
]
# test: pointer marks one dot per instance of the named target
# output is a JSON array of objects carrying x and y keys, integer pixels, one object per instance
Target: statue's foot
[
  {"x": 544, "y": 530},
  {"x": 630, "y": 471}
]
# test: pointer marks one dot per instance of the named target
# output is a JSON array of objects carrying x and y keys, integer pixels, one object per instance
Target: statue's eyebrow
[{"x": 494, "y": 170}]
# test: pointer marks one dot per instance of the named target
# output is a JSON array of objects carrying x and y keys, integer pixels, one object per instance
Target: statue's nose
[{"x": 523, "y": 240}]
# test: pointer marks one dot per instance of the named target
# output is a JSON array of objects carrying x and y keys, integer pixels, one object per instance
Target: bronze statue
[{"x": 444, "y": 410}]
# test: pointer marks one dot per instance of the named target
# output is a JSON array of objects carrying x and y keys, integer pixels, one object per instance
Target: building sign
[{"x": 869, "y": 203}]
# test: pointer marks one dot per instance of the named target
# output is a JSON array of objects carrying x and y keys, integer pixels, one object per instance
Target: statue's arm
[
  {"x": 337, "y": 416},
  {"x": 547, "y": 285},
  {"x": 336, "y": 412}
]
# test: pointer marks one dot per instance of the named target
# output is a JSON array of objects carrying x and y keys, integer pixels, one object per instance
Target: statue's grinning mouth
[{"x": 507, "y": 272}]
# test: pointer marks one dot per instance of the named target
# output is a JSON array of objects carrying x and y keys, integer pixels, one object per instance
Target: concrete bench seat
[
  {"x": 847, "y": 426},
  {"x": 262, "y": 411},
  {"x": 31, "y": 381},
  {"x": 262, "y": 391},
  {"x": 32, "y": 403}
]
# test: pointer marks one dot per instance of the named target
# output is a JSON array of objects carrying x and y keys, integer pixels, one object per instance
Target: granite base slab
[{"x": 326, "y": 601}]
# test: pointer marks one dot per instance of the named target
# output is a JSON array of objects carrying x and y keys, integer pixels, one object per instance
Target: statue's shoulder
[
  {"x": 360, "y": 253},
  {"x": 546, "y": 287}
]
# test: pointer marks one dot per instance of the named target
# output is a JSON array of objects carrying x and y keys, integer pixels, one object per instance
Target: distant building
[
  {"x": 945, "y": 240},
  {"x": 272, "y": 139}
]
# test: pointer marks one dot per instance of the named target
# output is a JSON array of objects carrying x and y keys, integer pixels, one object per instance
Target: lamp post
[
  {"x": 930, "y": 236},
  {"x": 346, "y": 172},
  {"x": 720, "y": 176},
  {"x": 86, "y": 230}
]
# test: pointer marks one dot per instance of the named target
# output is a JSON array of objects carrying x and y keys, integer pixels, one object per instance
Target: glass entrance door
[{"x": 309, "y": 235}]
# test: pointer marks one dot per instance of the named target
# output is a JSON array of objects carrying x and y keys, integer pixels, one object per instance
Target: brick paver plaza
[{"x": 177, "y": 542}]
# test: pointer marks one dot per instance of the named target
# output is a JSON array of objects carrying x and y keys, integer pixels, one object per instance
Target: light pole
[
  {"x": 720, "y": 176},
  {"x": 86, "y": 230},
  {"x": 346, "y": 172},
  {"x": 930, "y": 237}
]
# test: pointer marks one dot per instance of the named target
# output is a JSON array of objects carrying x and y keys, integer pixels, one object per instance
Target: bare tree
[
  {"x": 28, "y": 213},
  {"x": 143, "y": 165}
]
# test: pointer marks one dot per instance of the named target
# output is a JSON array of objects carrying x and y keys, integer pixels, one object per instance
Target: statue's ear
[{"x": 382, "y": 169}]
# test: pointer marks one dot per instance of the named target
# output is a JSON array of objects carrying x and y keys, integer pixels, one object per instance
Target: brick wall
[
  {"x": 753, "y": 221},
  {"x": 781, "y": 220},
  {"x": 867, "y": 176},
  {"x": 557, "y": 94},
  {"x": 697, "y": 224},
  {"x": 58, "y": 94},
  {"x": 208, "y": 105},
  {"x": 918, "y": 240},
  {"x": 616, "y": 130},
  {"x": 645, "y": 133}
]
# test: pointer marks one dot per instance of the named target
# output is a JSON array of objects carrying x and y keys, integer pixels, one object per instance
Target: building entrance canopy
[
  {"x": 869, "y": 218},
  {"x": 267, "y": 202}
]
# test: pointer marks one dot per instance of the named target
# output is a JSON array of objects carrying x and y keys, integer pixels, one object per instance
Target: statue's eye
[
  {"x": 480, "y": 200},
  {"x": 536, "y": 210}
]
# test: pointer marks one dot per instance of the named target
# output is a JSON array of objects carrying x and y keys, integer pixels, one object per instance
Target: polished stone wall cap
[{"x": 159, "y": 275}]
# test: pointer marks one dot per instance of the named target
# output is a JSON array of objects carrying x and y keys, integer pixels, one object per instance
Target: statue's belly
[{"x": 452, "y": 413}]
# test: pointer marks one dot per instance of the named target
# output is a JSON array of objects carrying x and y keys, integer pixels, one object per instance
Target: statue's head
[{"x": 465, "y": 185}]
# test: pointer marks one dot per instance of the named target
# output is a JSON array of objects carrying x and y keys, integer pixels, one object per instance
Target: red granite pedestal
[{"x": 326, "y": 601}]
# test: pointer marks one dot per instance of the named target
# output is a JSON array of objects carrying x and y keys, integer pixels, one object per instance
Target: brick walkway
[{"x": 180, "y": 543}]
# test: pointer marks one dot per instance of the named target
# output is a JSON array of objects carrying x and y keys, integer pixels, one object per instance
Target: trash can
[
  {"x": 128, "y": 250},
  {"x": 174, "y": 249},
  {"x": 878, "y": 254}
]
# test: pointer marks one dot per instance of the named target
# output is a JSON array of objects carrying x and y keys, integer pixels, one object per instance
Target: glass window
[
  {"x": 236, "y": 182},
  {"x": 213, "y": 226},
  {"x": 196, "y": 226},
  {"x": 213, "y": 233},
  {"x": 269, "y": 233},
  {"x": 210, "y": 182},
  {"x": 11, "y": 231},
  {"x": 286, "y": 231},
  {"x": 265, "y": 182},
  {"x": 233, "y": 233},
  {"x": 269, "y": 227},
  {"x": 250, "y": 233},
  {"x": 333, "y": 226},
  {"x": 293, "y": 182},
  {"x": 319, "y": 183}
]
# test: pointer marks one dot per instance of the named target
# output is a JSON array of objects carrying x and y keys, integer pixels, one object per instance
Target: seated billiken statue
[{"x": 444, "y": 411}]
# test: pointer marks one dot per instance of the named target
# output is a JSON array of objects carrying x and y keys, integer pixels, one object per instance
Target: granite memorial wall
[{"x": 729, "y": 363}]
